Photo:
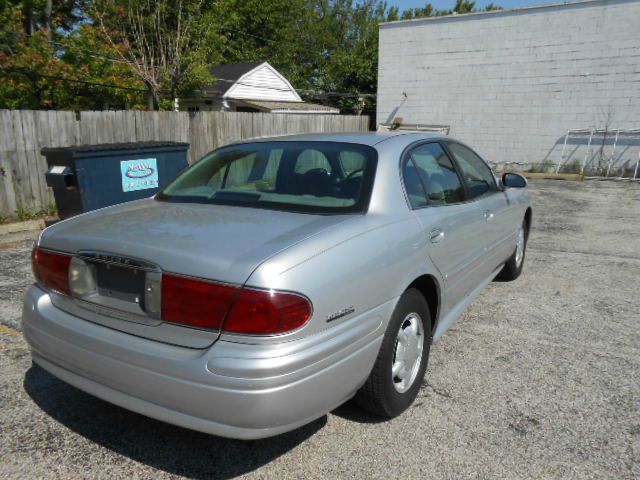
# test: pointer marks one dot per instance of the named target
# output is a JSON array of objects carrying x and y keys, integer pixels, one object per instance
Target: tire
[
  {"x": 386, "y": 395},
  {"x": 513, "y": 268}
]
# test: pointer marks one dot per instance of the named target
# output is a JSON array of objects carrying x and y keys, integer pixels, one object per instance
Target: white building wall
[{"x": 511, "y": 83}]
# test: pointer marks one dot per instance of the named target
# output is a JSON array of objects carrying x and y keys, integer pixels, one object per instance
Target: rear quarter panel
[{"x": 359, "y": 266}]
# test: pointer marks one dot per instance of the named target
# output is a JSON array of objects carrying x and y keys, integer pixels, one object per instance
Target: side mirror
[{"x": 513, "y": 180}]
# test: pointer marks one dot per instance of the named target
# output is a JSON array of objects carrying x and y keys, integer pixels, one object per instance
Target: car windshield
[{"x": 315, "y": 177}]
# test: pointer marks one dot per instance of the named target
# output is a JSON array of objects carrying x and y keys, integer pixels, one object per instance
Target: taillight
[
  {"x": 202, "y": 304},
  {"x": 51, "y": 269},
  {"x": 194, "y": 302},
  {"x": 259, "y": 312}
]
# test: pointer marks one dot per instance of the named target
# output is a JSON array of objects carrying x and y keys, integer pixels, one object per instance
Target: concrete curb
[
  {"x": 554, "y": 176},
  {"x": 17, "y": 227}
]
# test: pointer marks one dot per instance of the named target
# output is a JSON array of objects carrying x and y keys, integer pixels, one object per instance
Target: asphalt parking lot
[{"x": 539, "y": 379}]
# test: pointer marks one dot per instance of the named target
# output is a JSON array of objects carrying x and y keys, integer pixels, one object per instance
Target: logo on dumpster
[{"x": 139, "y": 174}]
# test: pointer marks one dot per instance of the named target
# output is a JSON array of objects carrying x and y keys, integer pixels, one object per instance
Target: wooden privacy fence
[{"x": 23, "y": 133}]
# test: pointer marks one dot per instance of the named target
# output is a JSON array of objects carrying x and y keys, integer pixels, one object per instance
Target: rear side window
[
  {"x": 477, "y": 174},
  {"x": 430, "y": 177}
]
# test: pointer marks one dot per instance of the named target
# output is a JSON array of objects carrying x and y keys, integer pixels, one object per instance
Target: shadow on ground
[
  {"x": 353, "y": 413},
  {"x": 166, "y": 447}
]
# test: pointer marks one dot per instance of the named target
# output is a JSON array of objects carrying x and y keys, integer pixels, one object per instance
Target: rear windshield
[{"x": 315, "y": 177}]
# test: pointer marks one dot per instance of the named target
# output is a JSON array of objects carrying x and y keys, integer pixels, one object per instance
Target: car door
[
  {"x": 437, "y": 196},
  {"x": 493, "y": 205}
]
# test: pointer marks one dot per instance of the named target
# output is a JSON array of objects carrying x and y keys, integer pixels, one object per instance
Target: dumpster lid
[{"x": 107, "y": 147}]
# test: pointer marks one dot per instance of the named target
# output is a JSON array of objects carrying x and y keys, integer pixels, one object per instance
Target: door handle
[
  {"x": 436, "y": 235},
  {"x": 488, "y": 215}
]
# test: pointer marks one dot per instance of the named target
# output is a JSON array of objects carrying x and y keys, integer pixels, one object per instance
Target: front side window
[
  {"x": 430, "y": 177},
  {"x": 315, "y": 177},
  {"x": 477, "y": 174}
]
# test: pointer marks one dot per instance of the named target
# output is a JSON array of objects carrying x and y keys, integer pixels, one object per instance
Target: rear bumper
[{"x": 231, "y": 389}]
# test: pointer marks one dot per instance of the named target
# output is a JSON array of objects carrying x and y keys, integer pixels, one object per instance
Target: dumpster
[{"x": 88, "y": 177}]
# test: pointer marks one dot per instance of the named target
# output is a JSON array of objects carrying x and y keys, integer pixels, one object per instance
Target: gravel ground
[{"x": 539, "y": 379}]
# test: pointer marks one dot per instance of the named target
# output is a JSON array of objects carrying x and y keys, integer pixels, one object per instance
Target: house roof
[
  {"x": 224, "y": 73},
  {"x": 288, "y": 107}
]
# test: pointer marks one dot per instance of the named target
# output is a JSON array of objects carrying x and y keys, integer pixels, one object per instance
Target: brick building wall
[{"x": 510, "y": 83}]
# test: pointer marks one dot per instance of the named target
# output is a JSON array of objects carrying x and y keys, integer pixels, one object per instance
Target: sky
[{"x": 447, "y": 4}]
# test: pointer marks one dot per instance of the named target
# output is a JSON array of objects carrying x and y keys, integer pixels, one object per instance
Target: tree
[
  {"x": 168, "y": 45},
  {"x": 85, "y": 54},
  {"x": 426, "y": 11},
  {"x": 49, "y": 59},
  {"x": 465, "y": 6},
  {"x": 335, "y": 50}
]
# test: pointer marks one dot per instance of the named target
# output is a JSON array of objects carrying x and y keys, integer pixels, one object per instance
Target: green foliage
[
  {"x": 24, "y": 214},
  {"x": 169, "y": 45},
  {"x": 492, "y": 7},
  {"x": 54, "y": 68},
  {"x": 573, "y": 167},
  {"x": 548, "y": 165},
  {"x": 464, "y": 6},
  {"x": 142, "y": 53}
]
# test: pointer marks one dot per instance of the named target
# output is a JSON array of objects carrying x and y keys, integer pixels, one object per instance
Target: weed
[
  {"x": 548, "y": 165},
  {"x": 575, "y": 167},
  {"x": 24, "y": 214}
]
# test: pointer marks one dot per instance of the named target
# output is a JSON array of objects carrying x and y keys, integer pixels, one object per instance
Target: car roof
[{"x": 362, "y": 138}]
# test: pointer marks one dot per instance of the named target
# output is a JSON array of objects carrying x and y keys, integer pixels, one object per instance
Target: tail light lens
[
  {"x": 51, "y": 269},
  {"x": 194, "y": 302},
  {"x": 259, "y": 312},
  {"x": 203, "y": 304},
  {"x": 198, "y": 303}
]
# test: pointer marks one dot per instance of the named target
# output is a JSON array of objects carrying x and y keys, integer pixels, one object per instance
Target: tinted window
[
  {"x": 352, "y": 162},
  {"x": 477, "y": 174},
  {"x": 311, "y": 159},
  {"x": 413, "y": 186},
  {"x": 296, "y": 176},
  {"x": 430, "y": 177}
]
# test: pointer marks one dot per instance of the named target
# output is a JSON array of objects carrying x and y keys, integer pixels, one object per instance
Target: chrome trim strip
[{"x": 118, "y": 260}]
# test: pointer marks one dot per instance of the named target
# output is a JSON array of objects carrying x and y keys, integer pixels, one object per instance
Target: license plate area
[
  {"x": 124, "y": 288},
  {"x": 126, "y": 284}
]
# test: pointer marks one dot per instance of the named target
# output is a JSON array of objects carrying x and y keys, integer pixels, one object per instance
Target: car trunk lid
[{"x": 129, "y": 244}]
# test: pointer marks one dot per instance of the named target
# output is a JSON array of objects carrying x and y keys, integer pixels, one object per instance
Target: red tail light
[
  {"x": 203, "y": 304},
  {"x": 258, "y": 312},
  {"x": 200, "y": 303},
  {"x": 51, "y": 269},
  {"x": 196, "y": 303}
]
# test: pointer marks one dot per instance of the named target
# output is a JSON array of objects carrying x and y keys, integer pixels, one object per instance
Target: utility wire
[
  {"x": 93, "y": 53},
  {"x": 302, "y": 90},
  {"x": 64, "y": 46},
  {"x": 229, "y": 29},
  {"x": 28, "y": 73}
]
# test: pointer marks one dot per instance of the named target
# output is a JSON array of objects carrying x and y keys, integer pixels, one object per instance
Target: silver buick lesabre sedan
[{"x": 276, "y": 279}]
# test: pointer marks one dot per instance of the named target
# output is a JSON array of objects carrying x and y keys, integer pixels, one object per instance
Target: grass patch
[{"x": 25, "y": 214}]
